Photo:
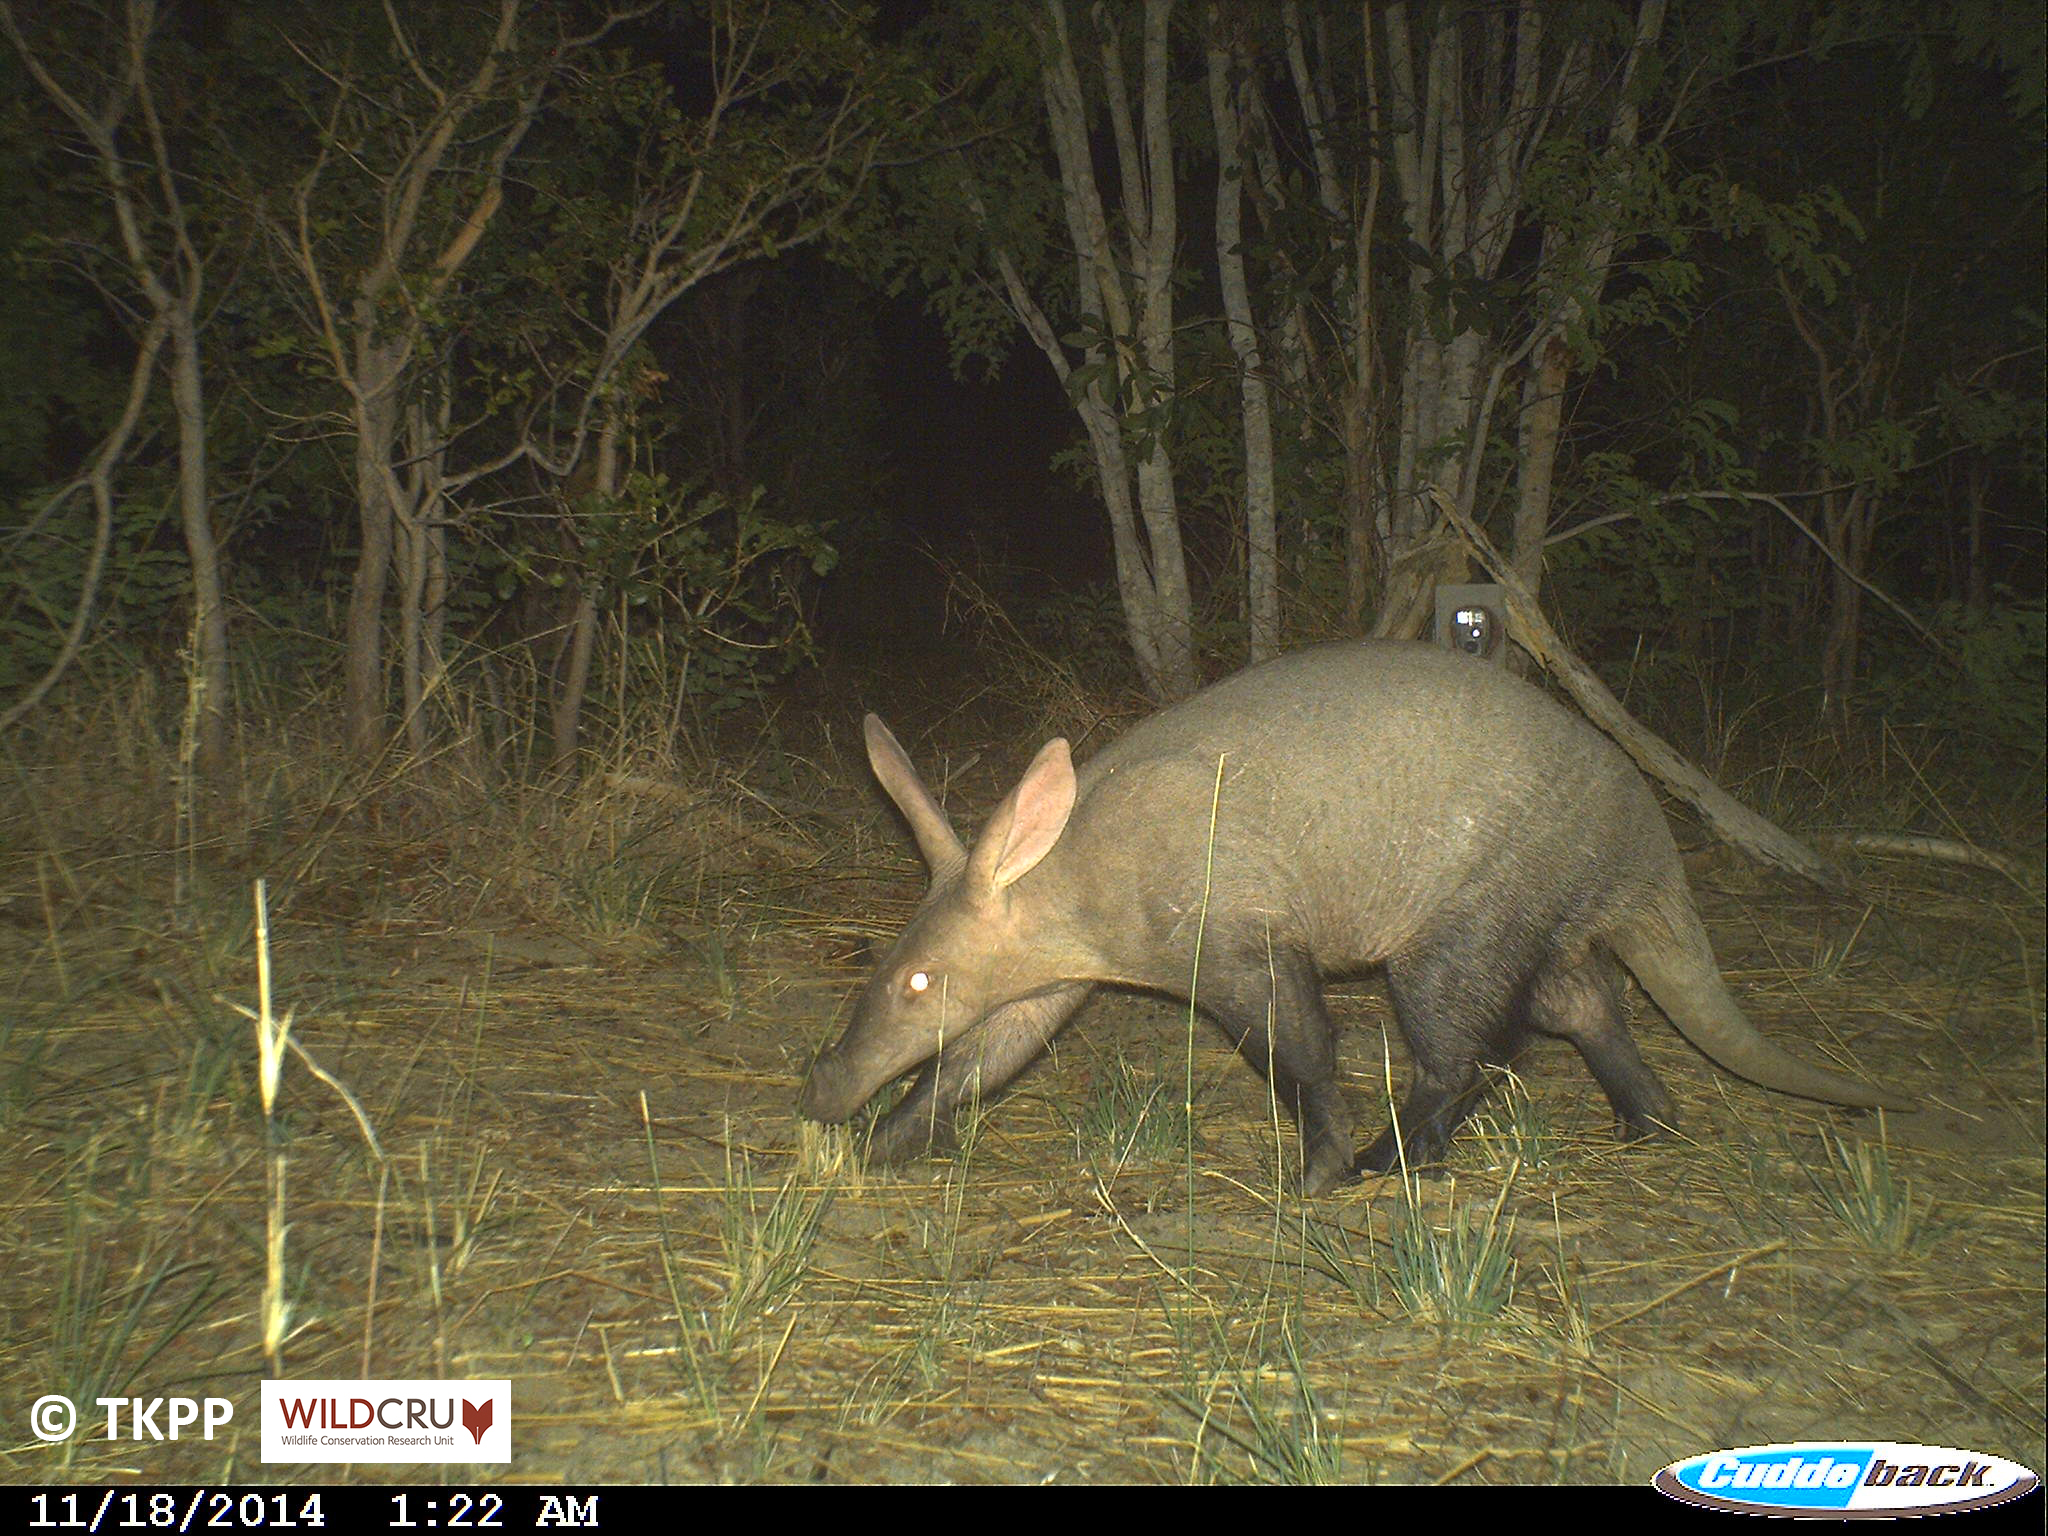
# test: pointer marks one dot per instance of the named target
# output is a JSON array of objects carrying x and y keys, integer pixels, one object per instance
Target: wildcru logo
[
  {"x": 1862, "y": 1477},
  {"x": 387, "y": 1421}
]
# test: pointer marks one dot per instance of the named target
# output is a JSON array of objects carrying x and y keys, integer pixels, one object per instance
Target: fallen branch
[
  {"x": 1919, "y": 845},
  {"x": 1728, "y": 818}
]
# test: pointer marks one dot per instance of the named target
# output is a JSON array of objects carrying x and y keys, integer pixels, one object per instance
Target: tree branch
[
  {"x": 1728, "y": 817},
  {"x": 99, "y": 480}
]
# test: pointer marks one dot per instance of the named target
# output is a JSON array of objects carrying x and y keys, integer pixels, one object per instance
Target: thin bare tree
[
  {"x": 122, "y": 130},
  {"x": 1123, "y": 383},
  {"x": 1232, "y": 108}
]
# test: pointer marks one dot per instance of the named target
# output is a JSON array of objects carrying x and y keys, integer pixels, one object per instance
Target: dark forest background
[
  {"x": 467, "y": 466},
  {"x": 536, "y": 368}
]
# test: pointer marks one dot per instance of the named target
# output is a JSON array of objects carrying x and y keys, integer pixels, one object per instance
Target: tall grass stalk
[
  {"x": 273, "y": 1038},
  {"x": 271, "y": 1035},
  {"x": 1187, "y": 1101}
]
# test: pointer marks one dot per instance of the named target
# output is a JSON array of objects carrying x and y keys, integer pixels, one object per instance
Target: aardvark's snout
[{"x": 831, "y": 1091}]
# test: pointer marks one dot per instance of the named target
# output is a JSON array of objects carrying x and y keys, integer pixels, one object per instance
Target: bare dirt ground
[{"x": 587, "y": 1175}]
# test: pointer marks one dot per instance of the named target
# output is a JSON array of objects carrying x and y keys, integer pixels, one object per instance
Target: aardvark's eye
[{"x": 917, "y": 982}]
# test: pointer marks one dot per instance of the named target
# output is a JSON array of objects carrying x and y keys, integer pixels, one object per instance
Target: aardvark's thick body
[{"x": 1342, "y": 807}]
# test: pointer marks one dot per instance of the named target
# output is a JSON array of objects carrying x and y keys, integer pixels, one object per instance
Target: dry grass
[{"x": 561, "y": 1035}]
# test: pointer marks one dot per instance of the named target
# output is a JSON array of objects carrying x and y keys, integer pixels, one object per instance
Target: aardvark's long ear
[
  {"x": 936, "y": 840},
  {"x": 1028, "y": 822}
]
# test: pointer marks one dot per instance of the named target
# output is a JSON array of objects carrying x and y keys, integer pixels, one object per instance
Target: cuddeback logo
[{"x": 1870, "y": 1477}]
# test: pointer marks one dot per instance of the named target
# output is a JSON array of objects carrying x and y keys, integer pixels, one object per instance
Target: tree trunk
[
  {"x": 1145, "y": 534},
  {"x": 1465, "y": 115},
  {"x": 1976, "y": 584},
  {"x": 1262, "y": 554},
  {"x": 1852, "y": 372},
  {"x": 363, "y": 628},
  {"x": 1459, "y": 174},
  {"x": 1849, "y": 520},
  {"x": 1157, "y": 500},
  {"x": 1352, "y": 214},
  {"x": 1542, "y": 421},
  {"x": 372, "y": 347},
  {"x": 202, "y": 553},
  {"x": 419, "y": 557},
  {"x": 1571, "y": 279},
  {"x": 566, "y": 725},
  {"x": 1364, "y": 485}
]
